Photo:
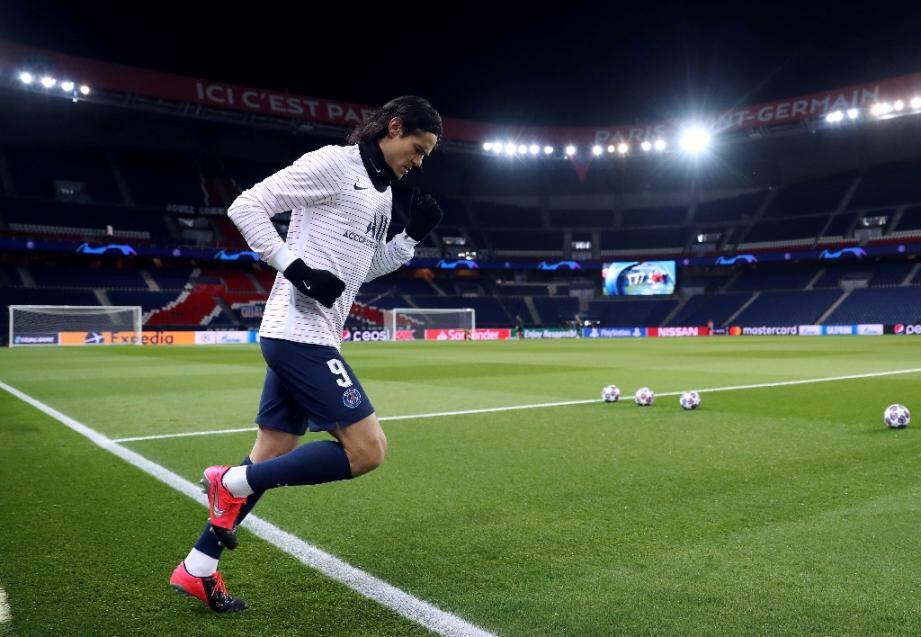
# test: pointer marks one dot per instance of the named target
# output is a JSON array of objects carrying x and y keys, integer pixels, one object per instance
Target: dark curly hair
[{"x": 416, "y": 112}]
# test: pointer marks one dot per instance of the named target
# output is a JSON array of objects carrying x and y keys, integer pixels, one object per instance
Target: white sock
[
  {"x": 199, "y": 564},
  {"x": 235, "y": 482}
]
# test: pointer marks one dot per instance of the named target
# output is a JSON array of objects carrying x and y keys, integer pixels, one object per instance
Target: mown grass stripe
[
  {"x": 406, "y": 605},
  {"x": 486, "y": 410}
]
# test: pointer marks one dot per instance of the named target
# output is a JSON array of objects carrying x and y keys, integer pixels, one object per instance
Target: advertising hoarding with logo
[
  {"x": 479, "y": 334},
  {"x": 613, "y": 332},
  {"x": 905, "y": 329},
  {"x": 550, "y": 332},
  {"x": 670, "y": 332}
]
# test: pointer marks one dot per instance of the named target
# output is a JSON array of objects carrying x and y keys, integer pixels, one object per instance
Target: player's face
[{"x": 405, "y": 151}]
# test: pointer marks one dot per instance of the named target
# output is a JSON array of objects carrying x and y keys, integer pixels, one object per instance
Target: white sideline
[
  {"x": 4, "y": 607},
  {"x": 412, "y": 608},
  {"x": 708, "y": 390}
]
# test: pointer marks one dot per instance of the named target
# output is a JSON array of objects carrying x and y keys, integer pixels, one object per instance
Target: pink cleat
[
  {"x": 210, "y": 590},
  {"x": 223, "y": 507}
]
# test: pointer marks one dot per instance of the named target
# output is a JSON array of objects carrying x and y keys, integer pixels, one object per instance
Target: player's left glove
[{"x": 424, "y": 215}]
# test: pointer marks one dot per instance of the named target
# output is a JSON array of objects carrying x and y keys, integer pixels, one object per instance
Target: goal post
[
  {"x": 74, "y": 325},
  {"x": 414, "y": 323}
]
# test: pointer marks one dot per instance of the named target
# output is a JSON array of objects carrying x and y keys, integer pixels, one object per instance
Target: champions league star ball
[
  {"x": 897, "y": 416},
  {"x": 610, "y": 394},
  {"x": 644, "y": 397},
  {"x": 690, "y": 400}
]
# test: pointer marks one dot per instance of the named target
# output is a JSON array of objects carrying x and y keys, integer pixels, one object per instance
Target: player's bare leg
[
  {"x": 271, "y": 443},
  {"x": 365, "y": 444}
]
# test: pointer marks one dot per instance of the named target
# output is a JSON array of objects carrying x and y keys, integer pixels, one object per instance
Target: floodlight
[{"x": 694, "y": 140}]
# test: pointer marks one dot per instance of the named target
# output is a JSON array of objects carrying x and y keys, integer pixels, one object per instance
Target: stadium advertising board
[
  {"x": 479, "y": 334},
  {"x": 229, "y": 337},
  {"x": 670, "y": 332},
  {"x": 764, "y": 330},
  {"x": 613, "y": 332},
  {"x": 904, "y": 329},
  {"x": 117, "y": 77},
  {"x": 368, "y": 335},
  {"x": 898, "y": 250},
  {"x": 126, "y": 338},
  {"x": 550, "y": 332},
  {"x": 215, "y": 337},
  {"x": 638, "y": 278},
  {"x": 866, "y": 329},
  {"x": 250, "y": 309},
  {"x": 487, "y": 334},
  {"x": 35, "y": 339}
]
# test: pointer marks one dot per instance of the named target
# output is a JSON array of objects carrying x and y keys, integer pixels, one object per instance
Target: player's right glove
[
  {"x": 321, "y": 285},
  {"x": 424, "y": 215}
]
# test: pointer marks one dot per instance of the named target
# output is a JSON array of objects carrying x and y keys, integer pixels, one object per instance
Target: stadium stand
[
  {"x": 774, "y": 278},
  {"x": 730, "y": 209},
  {"x": 879, "y": 305},
  {"x": 810, "y": 197},
  {"x": 629, "y": 313},
  {"x": 787, "y": 308},
  {"x": 718, "y": 309},
  {"x": 123, "y": 188},
  {"x": 78, "y": 174}
]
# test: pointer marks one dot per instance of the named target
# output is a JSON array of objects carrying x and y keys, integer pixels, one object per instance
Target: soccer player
[{"x": 341, "y": 204}]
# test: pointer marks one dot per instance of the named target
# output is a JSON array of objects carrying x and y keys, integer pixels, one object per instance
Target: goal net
[
  {"x": 74, "y": 325},
  {"x": 409, "y": 324}
]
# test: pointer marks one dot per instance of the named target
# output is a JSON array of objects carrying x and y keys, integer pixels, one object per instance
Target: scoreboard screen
[{"x": 638, "y": 278}]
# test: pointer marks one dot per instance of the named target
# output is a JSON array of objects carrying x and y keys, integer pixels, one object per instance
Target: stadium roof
[{"x": 582, "y": 68}]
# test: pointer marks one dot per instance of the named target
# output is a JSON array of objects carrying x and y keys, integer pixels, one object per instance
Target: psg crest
[{"x": 351, "y": 398}]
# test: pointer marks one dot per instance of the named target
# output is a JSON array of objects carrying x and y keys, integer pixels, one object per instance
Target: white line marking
[
  {"x": 382, "y": 419},
  {"x": 186, "y": 434},
  {"x": 410, "y": 607},
  {"x": 486, "y": 410},
  {"x": 4, "y": 607}
]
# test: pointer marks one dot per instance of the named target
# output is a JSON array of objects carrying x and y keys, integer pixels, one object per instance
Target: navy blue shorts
[{"x": 308, "y": 387}]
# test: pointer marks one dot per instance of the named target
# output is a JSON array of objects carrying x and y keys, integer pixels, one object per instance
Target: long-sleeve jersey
[{"x": 338, "y": 223}]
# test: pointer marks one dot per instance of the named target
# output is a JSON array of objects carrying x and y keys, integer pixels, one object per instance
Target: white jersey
[{"x": 338, "y": 223}]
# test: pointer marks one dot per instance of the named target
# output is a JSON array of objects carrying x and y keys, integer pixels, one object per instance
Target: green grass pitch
[{"x": 784, "y": 510}]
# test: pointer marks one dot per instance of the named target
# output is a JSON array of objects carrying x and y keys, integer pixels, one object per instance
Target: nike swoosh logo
[
  {"x": 218, "y": 512},
  {"x": 357, "y": 188}
]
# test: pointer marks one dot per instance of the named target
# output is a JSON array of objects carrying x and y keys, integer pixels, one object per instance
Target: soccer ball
[
  {"x": 644, "y": 397},
  {"x": 690, "y": 400},
  {"x": 897, "y": 416},
  {"x": 610, "y": 394}
]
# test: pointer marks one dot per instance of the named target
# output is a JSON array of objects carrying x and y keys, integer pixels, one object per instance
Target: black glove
[
  {"x": 424, "y": 215},
  {"x": 321, "y": 285}
]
